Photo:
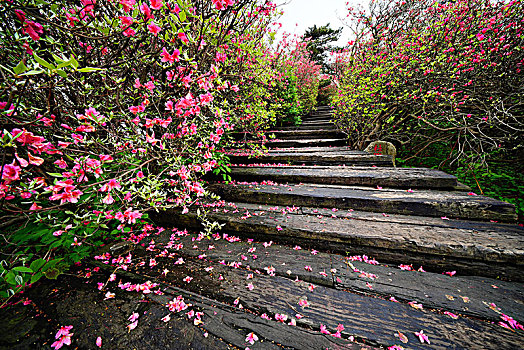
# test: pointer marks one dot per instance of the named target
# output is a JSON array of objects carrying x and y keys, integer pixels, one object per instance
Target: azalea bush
[
  {"x": 426, "y": 73},
  {"x": 326, "y": 90},
  {"x": 110, "y": 109},
  {"x": 443, "y": 82},
  {"x": 296, "y": 81}
]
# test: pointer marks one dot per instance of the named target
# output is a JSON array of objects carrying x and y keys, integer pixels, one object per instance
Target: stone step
[
  {"x": 223, "y": 326},
  {"x": 307, "y": 134},
  {"x": 419, "y": 202},
  {"x": 370, "y": 321},
  {"x": 317, "y": 118},
  {"x": 339, "y": 155},
  {"x": 356, "y": 176},
  {"x": 294, "y": 134},
  {"x": 306, "y": 142},
  {"x": 326, "y": 113},
  {"x": 325, "y": 126},
  {"x": 317, "y": 149},
  {"x": 325, "y": 122},
  {"x": 230, "y": 310},
  {"x": 470, "y": 248},
  {"x": 430, "y": 288}
]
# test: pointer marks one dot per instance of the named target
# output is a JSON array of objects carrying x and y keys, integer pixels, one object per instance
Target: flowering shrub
[
  {"x": 427, "y": 74},
  {"x": 297, "y": 80},
  {"x": 111, "y": 108}
]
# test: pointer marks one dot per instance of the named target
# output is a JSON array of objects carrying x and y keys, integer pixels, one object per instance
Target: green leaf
[
  {"x": 183, "y": 16},
  {"x": 22, "y": 269},
  {"x": 36, "y": 277},
  {"x": 37, "y": 264},
  {"x": 33, "y": 72},
  {"x": 10, "y": 277},
  {"x": 50, "y": 264},
  {"x": 55, "y": 174},
  {"x": 74, "y": 62},
  {"x": 42, "y": 62},
  {"x": 89, "y": 69},
  {"x": 58, "y": 58},
  {"x": 20, "y": 68},
  {"x": 62, "y": 73}
]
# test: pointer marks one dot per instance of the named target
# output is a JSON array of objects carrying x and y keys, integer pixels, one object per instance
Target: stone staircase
[{"x": 305, "y": 222}]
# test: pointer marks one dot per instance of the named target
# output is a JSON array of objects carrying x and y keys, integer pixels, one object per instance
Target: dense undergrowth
[{"x": 502, "y": 179}]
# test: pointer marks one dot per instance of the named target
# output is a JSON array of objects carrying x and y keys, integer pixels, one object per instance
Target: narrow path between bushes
[{"x": 321, "y": 247}]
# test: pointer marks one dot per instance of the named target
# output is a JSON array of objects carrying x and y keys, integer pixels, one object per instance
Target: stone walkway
[
  {"x": 310, "y": 193},
  {"x": 321, "y": 247}
]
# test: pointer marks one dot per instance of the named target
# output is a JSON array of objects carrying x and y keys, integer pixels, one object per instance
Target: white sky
[{"x": 302, "y": 14}]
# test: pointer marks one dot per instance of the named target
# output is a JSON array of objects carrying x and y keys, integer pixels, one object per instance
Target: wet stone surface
[{"x": 76, "y": 301}]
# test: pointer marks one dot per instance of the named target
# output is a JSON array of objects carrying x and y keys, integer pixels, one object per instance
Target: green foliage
[
  {"x": 326, "y": 91},
  {"x": 29, "y": 253},
  {"x": 14, "y": 277},
  {"x": 496, "y": 178},
  {"x": 222, "y": 168},
  {"x": 289, "y": 109}
]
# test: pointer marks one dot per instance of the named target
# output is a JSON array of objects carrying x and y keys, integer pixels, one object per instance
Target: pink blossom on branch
[
  {"x": 156, "y": 4},
  {"x": 153, "y": 28},
  {"x": 167, "y": 57}
]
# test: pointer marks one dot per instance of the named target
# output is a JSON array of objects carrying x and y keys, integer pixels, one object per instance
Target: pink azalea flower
[
  {"x": 251, "y": 338},
  {"x": 63, "y": 336},
  {"x": 281, "y": 317},
  {"x": 156, "y": 4},
  {"x": 35, "y": 160},
  {"x": 452, "y": 315},
  {"x": 267, "y": 244},
  {"x": 153, "y": 28},
  {"x": 11, "y": 172},
  {"x": 132, "y": 325},
  {"x": 303, "y": 303},
  {"x": 422, "y": 337},
  {"x": 35, "y": 206},
  {"x": 406, "y": 267},
  {"x": 167, "y": 57},
  {"x": 108, "y": 199},
  {"x": 324, "y": 330},
  {"x": 76, "y": 242},
  {"x": 99, "y": 342},
  {"x": 414, "y": 305},
  {"x": 183, "y": 37}
]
